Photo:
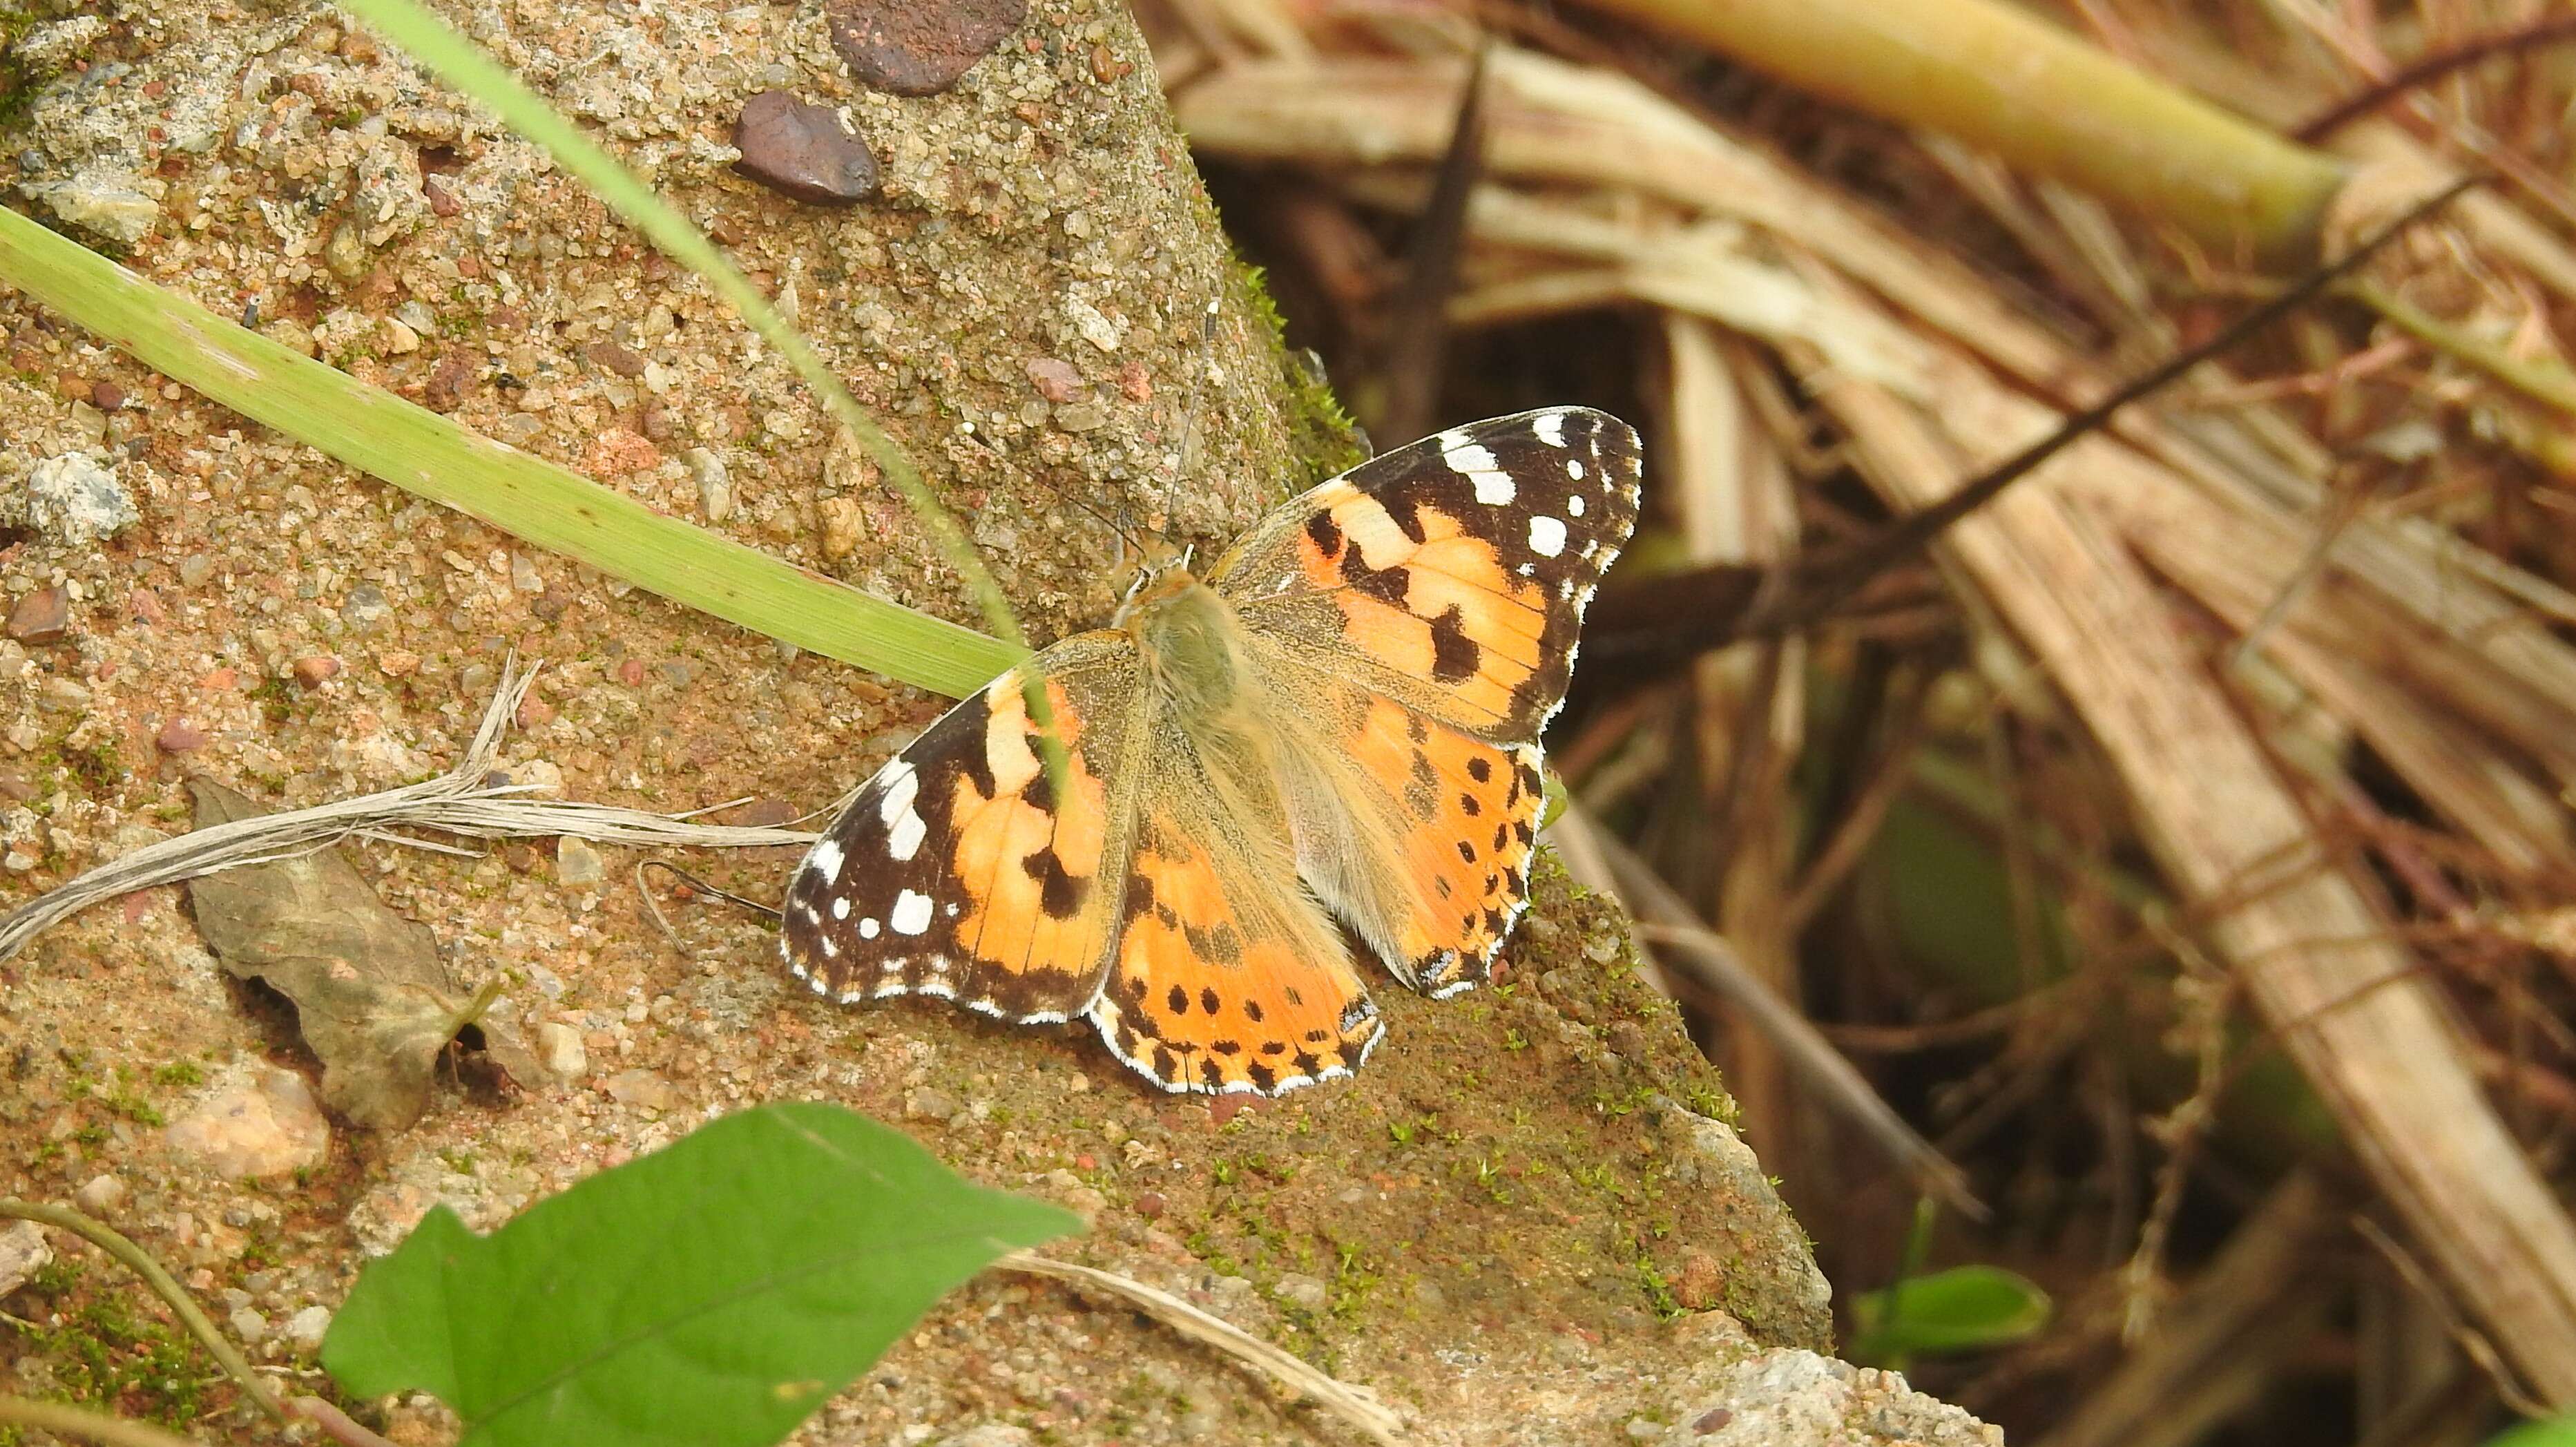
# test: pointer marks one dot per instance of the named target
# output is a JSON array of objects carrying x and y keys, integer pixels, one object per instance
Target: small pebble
[
  {"x": 181, "y": 736},
  {"x": 624, "y": 361},
  {"x": 909, "y": 47},
  {"x": 265, "y": 1124},
  {"x": 801, "y": 149},
  {"x": 43, "y": 616},
  {"x": 100, "y": 1196},
  {"x": 23, "y": 1253},
  {"x": 1082, "y": 417},
  {"x": 195, "y": 569},
  {"x": 1299, "y": 1289},
  {"x": 642, "y": 1089},
  {"x": 931, "y": 1103},
  {"x": 560, "y": 1051},
  {"x": 841, "y": 520},
  {"x": 316, "y": 670},
  {"x": 760, "y": 814},
  {"x": 249, "y": 1327},
  {"x": 307, "y": 1328},
  {"x": 577, "y": 863},
  {"x": 1056, "y": 380}
]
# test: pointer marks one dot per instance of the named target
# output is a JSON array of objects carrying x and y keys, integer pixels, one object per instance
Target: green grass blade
[
  {"x": 428, "y": 39},
  {"x": 426, "y": 454}
]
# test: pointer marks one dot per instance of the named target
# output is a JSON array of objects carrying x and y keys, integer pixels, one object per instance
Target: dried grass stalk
[
  {"x": 1353, "y": 1404},
  {"x": 2321, "y": 967},
  {"x": 460, "y": 801}
]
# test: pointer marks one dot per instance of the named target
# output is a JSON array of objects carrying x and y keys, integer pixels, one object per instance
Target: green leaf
[
  {"x": 1965, "y": 1308},
  {"x": 2558, "y": 1433},
  {"x": 712, "y": 1293}
]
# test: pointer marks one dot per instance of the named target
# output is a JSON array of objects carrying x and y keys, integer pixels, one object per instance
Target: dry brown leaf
[{"x": 371, "y": 996}]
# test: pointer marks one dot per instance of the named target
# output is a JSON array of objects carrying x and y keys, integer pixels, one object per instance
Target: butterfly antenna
[
  {"x": 1105, "y": 520},
  {"x": 1191, "y": 439}
]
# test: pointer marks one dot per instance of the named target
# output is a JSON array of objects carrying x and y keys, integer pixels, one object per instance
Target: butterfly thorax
[{"x": 1189, "y": 642}]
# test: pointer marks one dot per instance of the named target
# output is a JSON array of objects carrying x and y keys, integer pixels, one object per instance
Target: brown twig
[
  {"x": 1797, "y": 602},
  {"x": 337, "y": 1424},
  {"x": 2425, "y": 70},
  {"x": 1418, "y": 319}
]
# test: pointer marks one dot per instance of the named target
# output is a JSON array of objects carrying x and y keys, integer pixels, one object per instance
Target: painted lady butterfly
[{"x": 1343, "y": 716}]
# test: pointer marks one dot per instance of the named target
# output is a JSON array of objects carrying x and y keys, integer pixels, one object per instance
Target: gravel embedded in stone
[
  {"x": 801, "y": 149},
  {"x": 918, "y": 47},
  {"x": 43, "y": 616},
  {"x": 1056, "y": 380}
]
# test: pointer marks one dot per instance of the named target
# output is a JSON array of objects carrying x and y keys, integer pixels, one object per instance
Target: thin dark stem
[
  {"x": 135, "y": 1259},
  {"x": 2429, "y": 68},
  {"x": 1801, "y": 602}
]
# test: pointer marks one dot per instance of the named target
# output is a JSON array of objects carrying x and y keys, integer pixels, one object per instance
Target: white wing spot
[
  {"x": 1574, "y": 506},
  {"x": 830, "y": 950},
  {"x": 1466, "y": 457},
  {"x": 911, "y": 912},
  {"x": 826, "y": 860},
  {"x": 841, "y": 907},
  {"x": 1529, "y": 570},
  {"x": 1550, "y": 427},
  {"x": 1493, "y": 489},
  {"x": 905, "y": 829},
  {"x": 1574, "y": 470},
  {"x": 1546, "y": 536},
  {"x": 868, "y": 928}
]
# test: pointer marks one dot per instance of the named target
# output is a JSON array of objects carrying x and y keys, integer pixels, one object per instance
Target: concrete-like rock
[
  {"x": 75, "y": 500},
  {"x": 23, "y": 1253},
  {"x": 1790, "y": 1398}
]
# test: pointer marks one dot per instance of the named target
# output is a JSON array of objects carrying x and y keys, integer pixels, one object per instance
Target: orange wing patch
[
  {"x": 1026, "y": 861},
  {"x": 1469, "y": 815},
  {"x": 1426, "y": 597},
  {"x": 1205, "y": 997},
  {"x": 958, "y": 871}
]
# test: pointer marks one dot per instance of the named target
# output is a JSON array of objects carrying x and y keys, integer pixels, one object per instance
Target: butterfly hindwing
[
  {"x": 961, "y": 871},
  {"x": 1449, "y": 575},
  {"x": 1225, "y": 981}
]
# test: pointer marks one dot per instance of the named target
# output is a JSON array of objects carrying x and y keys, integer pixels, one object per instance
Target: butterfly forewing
[
  {"x": 962, "y": 871},
  {"x": 1450, "y": 575}
]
